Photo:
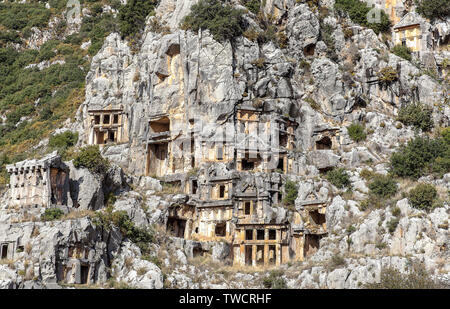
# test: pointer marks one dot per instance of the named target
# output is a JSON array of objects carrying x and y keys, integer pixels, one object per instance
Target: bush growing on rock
[
  {"x": 392, "y": 224},
  {"x": 402, "y": 51},
  {"x": 416, "y": 278},
  {"x": 326, "y": 33},
  {"x": 336, "y": 261},
  {"x": 291, "y": 193},
  {"x": 417, "y": 115},
  {"x": 423, "y": 196},
  {"x": 274, "y": 280},
  {"x": 252, "y": 5},
  {"x": 356, "y": 132},
  {"x": 132, "y": 16},
  {"x": 383, "y": 186},
  {"x": 52, "y": 214},
  {"x": 140, "y": 236},
  {"x": 90, "y": 158},
  {"x": 339, "y": 178},
  {"x": 387, "y": 75},
  {"x": 23, "y": 16},
  {"x": 421, "y": 156},
  {"x": 433, "y": 9},
  {"x": 63, "y": 141},
  {"x": 4, "y": 175},
  {"x": 358, "y": 10},
  {"x": 446, "y": 135},
  {"x": 222, "y": 20}
]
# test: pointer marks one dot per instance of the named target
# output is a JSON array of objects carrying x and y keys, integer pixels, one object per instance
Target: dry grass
[
  {"x": 28, "y": 248},
  {"x": 169, "y": 189},
  {"x": 35, "y": 232},
  {"x": 443, "y": 193},
  {"x": 8, "y": 262},
  {"x": 77, "y": 214},
  {"x": 142, "y": 271},
  {"x": 128, "y": 262}
]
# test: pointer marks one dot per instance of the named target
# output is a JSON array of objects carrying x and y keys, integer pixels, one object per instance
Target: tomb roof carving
[
  {"x": 50, "y": 160},
  {"x": 409, "y": 19}
]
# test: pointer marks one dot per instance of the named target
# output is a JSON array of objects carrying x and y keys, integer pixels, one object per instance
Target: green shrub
[
  {"x": 357, "y": 11},
  {"x": 415, "y": 278},
  {"x": 356, "y": 132},
  {"x": 291, "y": 192},
  {"x": 417, "y": 115},
  {"x": 252, "y": 5},
  {"x": 366, "y": 174},
  {"x": 222, "y": 20},
  {"x": 132, "y": 16},
  {"x": 63, "y": 141},
  {"x": 392, "y": 224},
  {"x": 339, "y": 178},
  {"x": 421, "y": 156},
  {"x": 383, "y": 186},
  {"x": 90, "y": 158},
  {"x": 402, "y": 51},
  {"x": 337, "y": 261},
  {"x": 326, "y": 34},
  {"x": 19, "y": 16},
  {"x": 387, "y": 75},
  {"x": 274, "y": 280},
  {"x": 445, "y": 133},
  {"x": 108, "y": 219},
  {"x": 433, "y": 9},
  {"x": 4, "y": 175},
  {"x": 350, "y": 229},
  {"x": 423, "y": 196},
  {"x": 396, "y": 211},
  {"x": 52, "y": 214},
  {"x": 314, "y": 105}
]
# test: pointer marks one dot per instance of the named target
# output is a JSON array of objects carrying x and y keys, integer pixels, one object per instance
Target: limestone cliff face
[{"x": 192, "y": 75}]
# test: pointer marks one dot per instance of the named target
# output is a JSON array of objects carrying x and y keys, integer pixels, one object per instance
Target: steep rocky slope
[{"x": 321, "y": 71}]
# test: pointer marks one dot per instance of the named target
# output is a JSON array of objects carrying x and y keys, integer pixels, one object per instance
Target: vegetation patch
[
  {"x": 402, "y": 51},
  {"x": 51, "y": 214},
  {"x": 417, "y": 115},
  {"x": 356, "y": 132},
  {"x": 423, "y": 196},
  {"x": 222, "y": 20},
  {"x": 326, "y": 34},
  {"x": 339, "y": 178},
  {"x": 23, "y": 16},
  {"x": 433, "y": 9},
  {"x": 90, "y": 157},
  {"x": 252, "y": 5},
  {"x": 387, "y": 75},
  {"x": 274, "y": 280},
  {"x": 358, "y": 10},
  {"x": 63, "y": 141},
  {"x": 132, "y": 17},
  {"x": 108, "y": 219},
  {"x": 291, "y": 192},
  {"x": 392, "y": 225},
  {"x": 416, "y": 278},
  {"x": 422, "y": 156},
  {"x": 383, "y": 186},
  {"x": 336, "y": 261}
]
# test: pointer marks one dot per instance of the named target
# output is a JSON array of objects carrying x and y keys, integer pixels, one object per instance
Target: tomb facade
[
  {"x": 43, "y": 182},
  {"x": 107, "y": 126}
]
